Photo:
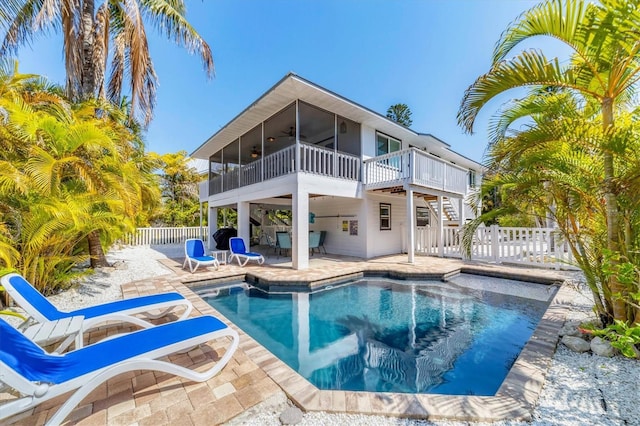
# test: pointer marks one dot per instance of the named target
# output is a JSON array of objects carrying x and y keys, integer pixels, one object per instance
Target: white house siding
[
  {"x": 329, "y": 212},
  {"x": 383, "y": 242},
  {"x": 369, "y": 148}
]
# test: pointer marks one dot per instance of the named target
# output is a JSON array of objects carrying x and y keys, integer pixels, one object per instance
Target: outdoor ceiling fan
[{"x": 290, "y": 134}]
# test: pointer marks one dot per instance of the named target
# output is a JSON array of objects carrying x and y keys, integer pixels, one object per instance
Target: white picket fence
[
  {"x": 543, "y": 247},
  {"x": 528, "y": 246},
  {"x": 163, "y": 236}
]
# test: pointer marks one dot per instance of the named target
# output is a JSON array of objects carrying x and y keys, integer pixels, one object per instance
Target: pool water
[{"x": 459, "y": 338}]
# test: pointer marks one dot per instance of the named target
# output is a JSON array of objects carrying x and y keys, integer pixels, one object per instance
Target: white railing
[
  {"x": 414, "y": 167},
  {"x": 527, "y": 246},
  {"x": 327, "y": 162},
  {"x": 313, "y": 159},
  {"x": 163, "y": 236},
  {"x": 280, "y": 163}
]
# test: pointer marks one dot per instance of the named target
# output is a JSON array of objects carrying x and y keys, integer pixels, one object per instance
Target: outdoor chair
[
  {"x": 314, "y": 241},
  {"x": 283, "y": 241},
  {"x": 38, "y": 376},
  {"x": 194, "y": 255},
  {"x": 239, "y": 251},
  {"x": 323, "y": 236},
  {"x": 41, "y": 310}
]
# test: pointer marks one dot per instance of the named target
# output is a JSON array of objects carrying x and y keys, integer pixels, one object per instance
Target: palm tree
[
  {"x": 400, "y": 113},
  {"x": 88, "y": 35},
  {"x": 604, "y": 68},
  {"x": 65, "y": 175},
  {"x": 91, "y": 35}
]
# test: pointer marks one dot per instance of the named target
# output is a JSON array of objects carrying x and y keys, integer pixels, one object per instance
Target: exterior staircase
[{"x": 450, "y": 211}]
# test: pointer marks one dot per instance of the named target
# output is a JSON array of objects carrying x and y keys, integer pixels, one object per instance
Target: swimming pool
[{"x": 459, "y": 338}]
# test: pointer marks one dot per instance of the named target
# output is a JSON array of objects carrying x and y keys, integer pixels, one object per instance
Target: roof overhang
[{"x": 293, "y": 87}]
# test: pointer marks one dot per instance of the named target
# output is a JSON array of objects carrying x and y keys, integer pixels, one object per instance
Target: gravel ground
[{"x": 581, "y": 389}]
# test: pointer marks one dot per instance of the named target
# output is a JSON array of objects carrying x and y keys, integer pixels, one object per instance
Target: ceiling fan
[{"x": 290, "y": 134}]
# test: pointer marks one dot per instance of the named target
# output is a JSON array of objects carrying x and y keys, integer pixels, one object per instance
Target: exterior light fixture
[
  {"x": 343, "y": 127},
  {"x": 254, "y": 153},
  {"x": 271, "y": 139}
]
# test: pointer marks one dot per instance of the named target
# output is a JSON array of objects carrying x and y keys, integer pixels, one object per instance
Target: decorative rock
[
  {"x": 291, "y": 416},
  {"x": 576, "y": 344},
  {"x": 570, "y": 328},
  {"x": 119, "y": 264},
  {"x": 602, "y": 347}
]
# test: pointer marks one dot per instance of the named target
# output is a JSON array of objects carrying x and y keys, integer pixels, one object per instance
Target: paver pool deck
[{"x": 254, "y": 375}]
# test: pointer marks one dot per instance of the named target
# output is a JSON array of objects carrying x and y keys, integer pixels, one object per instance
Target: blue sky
[{"x": 376, "y": 53}]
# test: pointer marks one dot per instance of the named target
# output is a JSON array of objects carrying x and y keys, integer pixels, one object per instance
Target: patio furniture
[
  {"x": 194, "y": 255},
  {"x": 314, "y": 241},
  {"x": 41, "y": 310},
  {"x": 283, "y": 241},
  {"x": 239, "y": 251},
  {"x": 38, "y": 376},
  {"x": 49, "y": 332},
  {"x": 323, "y": 235}
]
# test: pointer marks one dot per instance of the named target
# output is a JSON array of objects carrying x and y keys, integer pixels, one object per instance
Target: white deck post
[
  {"x": 411, "y": 227},
  {"x": 300, "y": 230},
  {"x": 440, "y": 230},
  {"x": 461, "y": 212},
  {"x": 244, "y": 230}
]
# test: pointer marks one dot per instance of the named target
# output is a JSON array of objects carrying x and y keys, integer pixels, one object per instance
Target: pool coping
[{"x": 514, "y": 400}]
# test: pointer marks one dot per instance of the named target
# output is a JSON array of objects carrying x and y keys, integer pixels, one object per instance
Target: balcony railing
[
  {"x": 414, "y": 167},
  {"x": 313, "y": 159}
]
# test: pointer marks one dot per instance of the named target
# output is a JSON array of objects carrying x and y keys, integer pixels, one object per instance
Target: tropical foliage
[
  {"x": 400, "y": 113},
  {"x": 64, "y": 173},
  {"x": 575, "y": 158},
  {"x": 179, "y": 185},
  {"x": 115, "y": 30}
]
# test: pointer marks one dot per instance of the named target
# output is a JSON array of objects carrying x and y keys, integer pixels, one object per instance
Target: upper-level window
[
  {"x": 387, "y": 144},
  {"x": 472, "y": 179}
]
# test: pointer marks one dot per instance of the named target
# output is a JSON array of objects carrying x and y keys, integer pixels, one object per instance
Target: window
[
  {"x": 387, "y": 144},
  {"x": 385, "y": 217},
  {"x": 472, "y": 179},
  {"x": 422, "y": 216}
]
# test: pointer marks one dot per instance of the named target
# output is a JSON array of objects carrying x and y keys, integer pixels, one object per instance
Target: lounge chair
[
  {"x": 239, "y": 251},
  {"x": 283, "y": 240},
  {"x": 194, "y": 255},
  {"x": 41, "y": 310},
  {"x": 39, "y": 376}
]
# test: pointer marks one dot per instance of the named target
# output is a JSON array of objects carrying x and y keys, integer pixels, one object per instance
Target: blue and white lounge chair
[
  {"x": 41, "y": 310},
  {"x": 194, "y": 255},
  {"x": 239, "y": 251},
  {"x": 38, "y": 376}
]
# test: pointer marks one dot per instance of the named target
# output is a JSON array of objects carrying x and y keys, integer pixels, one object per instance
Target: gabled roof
[{"x": 292, "y": 87}]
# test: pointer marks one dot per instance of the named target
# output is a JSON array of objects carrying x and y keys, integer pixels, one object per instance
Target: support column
[
  {"x": 300, "y": 230},
  {"x": 411, "y": 227},
  {"x": 244, "y": 229},
  {"x": 440, "y": 230},
  {"x": 461, "y": 212},
  {"x": 212, "y": 228}
]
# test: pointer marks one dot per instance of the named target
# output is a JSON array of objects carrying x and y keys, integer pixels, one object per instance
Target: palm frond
[
  {"x": 168, "y": 16},
  {"x": 560, "y": 19}
]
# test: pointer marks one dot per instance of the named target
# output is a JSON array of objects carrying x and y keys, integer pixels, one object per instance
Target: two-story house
[{"x": 367, "y": 181}]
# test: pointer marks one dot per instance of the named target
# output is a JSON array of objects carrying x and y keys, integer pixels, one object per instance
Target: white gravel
[{"x": 581, "y": 389}]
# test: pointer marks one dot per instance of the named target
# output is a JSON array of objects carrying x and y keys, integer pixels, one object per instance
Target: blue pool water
[{"x": 457, "y": 338}]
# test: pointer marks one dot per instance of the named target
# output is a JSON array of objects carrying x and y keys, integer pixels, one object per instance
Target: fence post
[{"x": 495, "y": 243}]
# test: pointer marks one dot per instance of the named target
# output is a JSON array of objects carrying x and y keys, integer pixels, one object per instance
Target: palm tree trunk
[
  {"x": 611, "y": 202},
  {"x": 98, "y": 258},
  {"x": 88, "y": 74}
]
